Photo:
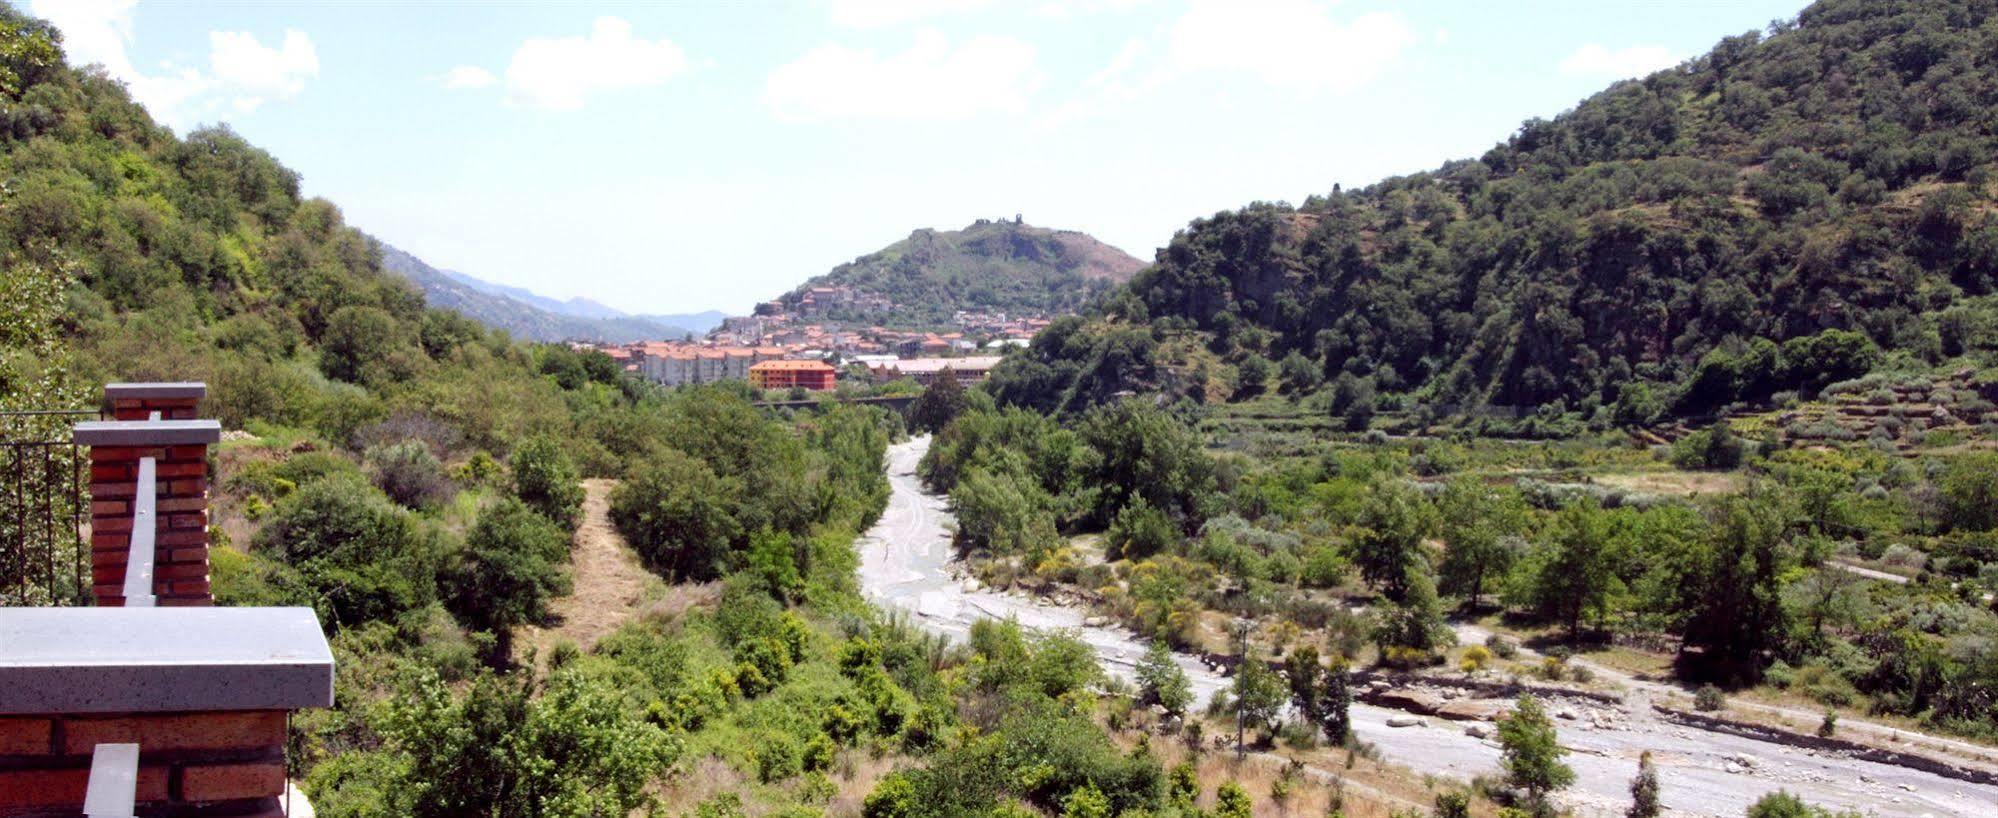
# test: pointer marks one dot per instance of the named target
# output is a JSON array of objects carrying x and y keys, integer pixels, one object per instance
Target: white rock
[
  {"x": 1565, "y": 714},
  {"x": 1404, "y": 721},
  {"x": 1745, "y": 759},
  {"x": 1093, "y": 621},
  {"x": 1731, "y": 767},
  {"x": 1475, "y": 731}
]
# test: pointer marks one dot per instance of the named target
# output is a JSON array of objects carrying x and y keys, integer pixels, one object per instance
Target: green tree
[
  {"x": 1161, "y": 682},
  {"x": 1386, "y": 540},
  {"x": 1258, "y": 693},
  {"x": 1003, "y": 511},
  {"x": 1335, "y": 693},
  {"x": 1737, "y": 614},
  {"x": 1969, "y": 488},
  {"x": 1352, "y": 401},
  {"x": 358, "y": 339},
  {"x": 1578, "y": 576},
  {"x": 364, "y": 559},
  {"x": 545, "y": 479},
  {"x": 1140, "y": 451},
  {"x": 1140, "y": 531},
  {"x": 941, "y": 402},
  {"x": 1477, "y": 523},
  {"x": 1415, "y": 624},
  {"x": 1300, "y": 375},
  {"x": 1530, "y": 754},
  {"x": 893, "y": 797},
  {"x": 678, "y": 515},
  {"x": 1302, "y": 671},
  {"x": 512, "y": 566},
  {"x": 1644, "y": 790}
]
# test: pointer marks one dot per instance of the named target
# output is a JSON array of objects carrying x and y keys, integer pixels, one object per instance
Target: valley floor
[{"x": 907, "y": 566}]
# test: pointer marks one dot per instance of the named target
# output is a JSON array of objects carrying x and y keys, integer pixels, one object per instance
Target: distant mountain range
[
  {"x": 532, "y": 316},
  {"x": 1003, "y": 265}
]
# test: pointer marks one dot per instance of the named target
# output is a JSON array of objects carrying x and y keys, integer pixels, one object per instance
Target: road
[{"x": 906, "y": 564}]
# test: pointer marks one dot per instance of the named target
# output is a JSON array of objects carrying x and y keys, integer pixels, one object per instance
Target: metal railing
[{"x": 44, "y": 509}]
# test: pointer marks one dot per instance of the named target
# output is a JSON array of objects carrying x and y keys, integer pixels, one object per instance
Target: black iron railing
[{"x": 44, "y": 508}]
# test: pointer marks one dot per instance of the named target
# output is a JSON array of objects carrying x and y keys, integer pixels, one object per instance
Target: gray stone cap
[
  {"x": 148, "y": 432},
  {"x": 134, "y": 391},
  {"x": 152, "y": 660}
]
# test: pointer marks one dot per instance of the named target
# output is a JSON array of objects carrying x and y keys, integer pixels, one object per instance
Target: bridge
[{"x": 899, "y": 403}]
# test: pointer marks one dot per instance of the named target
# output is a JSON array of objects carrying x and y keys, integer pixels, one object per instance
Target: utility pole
[{"x": 1241, "y": 666}]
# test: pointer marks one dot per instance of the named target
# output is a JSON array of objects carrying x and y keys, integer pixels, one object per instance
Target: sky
[{"x": 675, "y": 157}]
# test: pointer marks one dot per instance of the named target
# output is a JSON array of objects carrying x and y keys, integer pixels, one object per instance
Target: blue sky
[{"x": 676, "y": 157}]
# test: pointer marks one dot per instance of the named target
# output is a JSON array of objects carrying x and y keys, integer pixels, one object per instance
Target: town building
[
  {"x": 814, "y": 375},
  {"x": 968, "y": 370}
]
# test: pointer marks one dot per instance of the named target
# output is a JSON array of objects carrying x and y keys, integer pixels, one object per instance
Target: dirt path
[{"x": 608, "y": 582}]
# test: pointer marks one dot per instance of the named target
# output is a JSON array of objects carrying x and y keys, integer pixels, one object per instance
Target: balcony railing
[{"x": 44, "y": 509}]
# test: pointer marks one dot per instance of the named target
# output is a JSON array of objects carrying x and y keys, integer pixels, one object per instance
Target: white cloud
[
  {"x": 242, "y": 74},
  {"x": 1288, "y": 43},
  {"x": 1064, "y": 9},
  {"x": 1633, "y": 61},
  {"x": 250, "y": 73},
  {"x": 879, "y": 13},
  {"x": 559, "y": 73},
  {"x": 931, "y": 80},
  {"x": 466, "y": 76}
]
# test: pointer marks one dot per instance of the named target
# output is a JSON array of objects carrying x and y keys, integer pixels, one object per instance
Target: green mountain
[
  {"x": 1789, "y": 209},
  {"x": 990, "y": 265},
  {"x": 520, "y": 312}
]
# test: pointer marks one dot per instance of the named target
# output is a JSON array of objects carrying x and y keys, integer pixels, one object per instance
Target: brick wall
[
  {"x": 190, "y": 764},
  {"x": 180, "y": 556}
]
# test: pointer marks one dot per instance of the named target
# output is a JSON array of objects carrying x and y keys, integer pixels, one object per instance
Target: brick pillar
[
  {"x": 137, "y": 401},
  {"x": 179, "y": 448}
]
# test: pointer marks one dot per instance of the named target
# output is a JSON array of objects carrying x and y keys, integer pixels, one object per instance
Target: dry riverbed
[{"x": 906, "y": 564}]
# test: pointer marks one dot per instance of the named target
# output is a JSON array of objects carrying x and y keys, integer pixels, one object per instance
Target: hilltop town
[{"x": 778, "y": 331}]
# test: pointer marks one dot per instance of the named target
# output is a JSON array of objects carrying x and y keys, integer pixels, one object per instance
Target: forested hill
[
  {"x": 133, "y": 254},
  {"x": 1766, "y": 217},
  {"x": 495, "y": 306},
  {"x": 990, "y": 265}
]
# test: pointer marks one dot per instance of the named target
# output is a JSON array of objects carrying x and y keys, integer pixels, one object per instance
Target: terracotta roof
[{"x": 792, "y": 366}]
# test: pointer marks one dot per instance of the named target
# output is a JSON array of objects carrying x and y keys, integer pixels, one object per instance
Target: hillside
[
  {"x": 521, "y": 312},
  {"x": 1002, "y": 265},
  {"x": 1785, "y": 211}
]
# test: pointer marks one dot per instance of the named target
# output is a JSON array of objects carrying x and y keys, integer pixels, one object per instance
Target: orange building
[{"x": 788, "y": 374}]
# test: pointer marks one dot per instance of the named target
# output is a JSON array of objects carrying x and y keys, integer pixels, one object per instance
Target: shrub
[
  {"x": 364, "y": 558},
  {"x": 678, "y": 515},
  {"x": 1475, "y": 659},
  {"x": 1502, "y": 647},
  {"x": 409, "y": 474},
  {"x": 1709, "y": 698},
  {"x": 893, "y": 797},
  {"x": 1140, "y": 531},
  {"x": 546, "y": 480},
  {"x": 511, "y": 567}
]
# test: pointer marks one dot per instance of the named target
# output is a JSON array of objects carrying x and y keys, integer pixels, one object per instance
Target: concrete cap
[
  {"x": 154, "y": 660},
  {"x": 134, "y": 391},
  {"x": 148, "y": 432}
]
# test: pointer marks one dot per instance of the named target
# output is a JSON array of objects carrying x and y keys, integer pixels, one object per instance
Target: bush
[
  {"x": 678, "y": 515},
  {"x": 1502, "y": 647},
  {"x": 1709, "y": 698},
  {"x": 512, "y": 566},
  {"x": 364, "y": 558},
  {"x": 893, "y": 797},
  {"x": 409, "y": 474},
  {"x": 1140, "y": 531},
  {"x": 546, "y": 480}
]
